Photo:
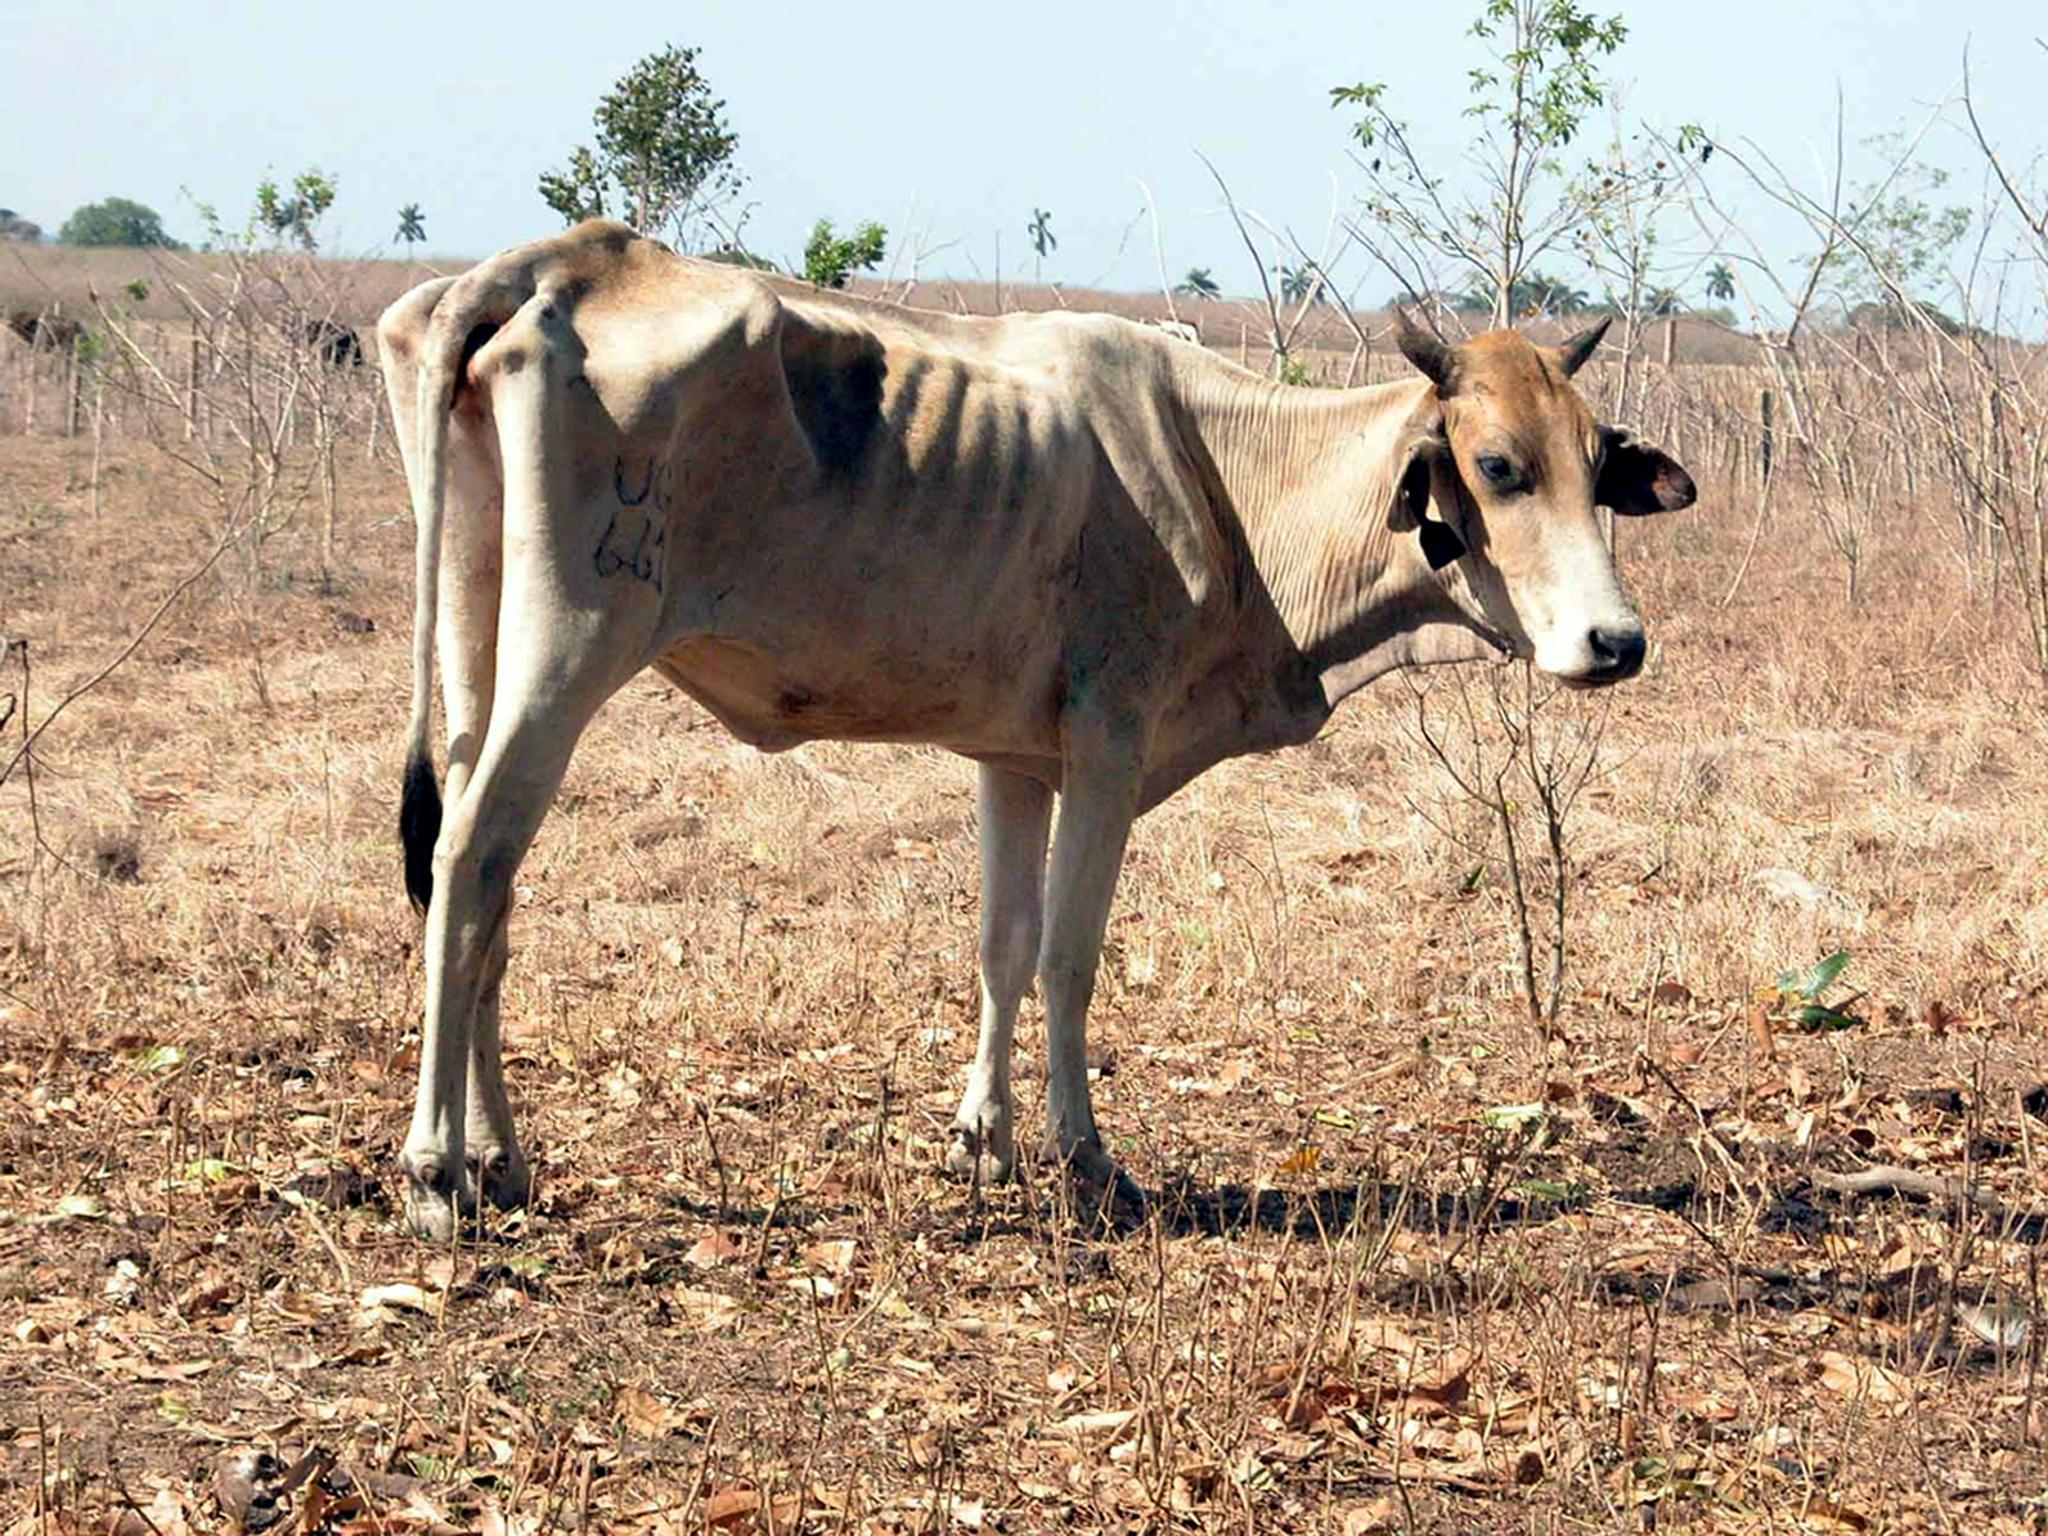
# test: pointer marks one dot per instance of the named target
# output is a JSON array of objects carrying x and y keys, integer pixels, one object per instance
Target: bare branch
[{"x": 1265, "y": 283}]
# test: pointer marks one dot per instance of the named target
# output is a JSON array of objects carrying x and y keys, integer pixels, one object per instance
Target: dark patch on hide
[
  {"x": 835, "y": 387},
  {"x": 478, "y": 338}
]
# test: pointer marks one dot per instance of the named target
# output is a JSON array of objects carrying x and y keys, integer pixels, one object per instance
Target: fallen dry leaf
[
  {"x": 834, "y": 1256},
  {"x": 1083, "y": 1424},
  {"x": 1865, "y": 1381},
  {"x": 927, "y": 1449},
  {"x": 713, "y": 1311},
  {"x": 2002, "y": 1325},
  {"x": 1302, "y": 1160},
  {"x": 737, "y": 1506},
  {"x": 378, "y": 1300},
  {"x": 1824, "y": 1514},
  {"x": 1709, "y": 1407},
  {"x": 712, "y": 1250},
  {"x": 1382, "y": 1514},
  {"x": 647, "y": 1416}
]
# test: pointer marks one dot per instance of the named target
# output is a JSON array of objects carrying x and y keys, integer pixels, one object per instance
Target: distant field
[{"x": 32, "y": 277}]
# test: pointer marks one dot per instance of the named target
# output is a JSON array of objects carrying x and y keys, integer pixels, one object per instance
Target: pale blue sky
[{"x": 948, "y": 121}]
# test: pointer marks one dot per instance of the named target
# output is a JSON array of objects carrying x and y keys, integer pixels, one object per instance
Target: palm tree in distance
[
  {"x": 1198, "y": 284},
  {"x": 412, "y": 224},
  {"x": 1043, "y": 240},
  {"x": 1297, "y": 283},
  {"x": 1720, "y": 282},
  {"x": 1554, "y": 296}
]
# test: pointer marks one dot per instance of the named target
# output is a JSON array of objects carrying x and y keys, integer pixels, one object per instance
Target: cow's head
[{"x": 1505, "y": 466}]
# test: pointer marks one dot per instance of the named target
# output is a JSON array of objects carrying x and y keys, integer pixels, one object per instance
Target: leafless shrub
[
  {"x": 256, "y": 415},
  {"x": 1523, "y": 751},
  {"x": 1894, "y": 400}
]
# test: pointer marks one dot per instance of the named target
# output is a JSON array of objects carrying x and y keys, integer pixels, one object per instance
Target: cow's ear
[
  {"x": 1426, "y": 449},
  {"x": 1637, "y": 479}
]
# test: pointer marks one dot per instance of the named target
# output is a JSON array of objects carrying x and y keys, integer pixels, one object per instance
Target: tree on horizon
[
  {"x": 115, "y": 221},
  {"x": 663, "y": 155}
]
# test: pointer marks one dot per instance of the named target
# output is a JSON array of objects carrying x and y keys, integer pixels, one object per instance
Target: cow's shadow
[
  {"x": 1186, "y": 1209},
  {"x": 1181, "y": 1206}
]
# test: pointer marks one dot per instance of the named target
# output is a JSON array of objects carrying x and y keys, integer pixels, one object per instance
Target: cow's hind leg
[
  {"x": 567, "y": 638},
  {"x": 1016, "y": 813},
  {"x": 473, "y": 558},
  {"x": 483, "y": 840}
]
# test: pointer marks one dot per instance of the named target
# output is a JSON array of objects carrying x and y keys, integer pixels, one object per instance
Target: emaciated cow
[{"x": 1093, "y": 559}]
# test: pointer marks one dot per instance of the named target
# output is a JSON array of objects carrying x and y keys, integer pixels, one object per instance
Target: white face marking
[
  {"x": 1579, "y": 596},
  {"x": 1546, "y": 579},
  {"x": 1526, "y": 456}
]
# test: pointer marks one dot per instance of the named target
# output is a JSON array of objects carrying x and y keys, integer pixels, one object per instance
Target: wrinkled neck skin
[{"x": 1312, "y": 476}]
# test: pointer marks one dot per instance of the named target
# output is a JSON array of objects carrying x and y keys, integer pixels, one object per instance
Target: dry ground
[{"x": 740, "y": 1004}]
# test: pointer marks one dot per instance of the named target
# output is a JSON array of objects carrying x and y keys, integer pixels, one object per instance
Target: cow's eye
[{"x": 1498, "y": 471}]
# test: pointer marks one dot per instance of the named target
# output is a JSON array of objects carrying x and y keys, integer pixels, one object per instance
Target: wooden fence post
[
  {"x": 192, "y": 384},
  {"x": 1766, "y": 445},
  {"x": 1998, "y": 467},
  {"x": 71, "y": 392},
  {"x": 99, "y": 409}
]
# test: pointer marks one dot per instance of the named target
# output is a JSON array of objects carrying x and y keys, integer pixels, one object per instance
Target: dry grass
[
  {"x": 740, "y": 1006},
  {"x": 69, "y": 277}
]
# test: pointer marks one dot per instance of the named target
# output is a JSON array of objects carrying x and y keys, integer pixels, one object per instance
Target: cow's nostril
[{"x": 1617, "y": 653}]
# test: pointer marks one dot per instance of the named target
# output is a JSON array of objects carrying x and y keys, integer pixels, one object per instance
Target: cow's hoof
[
  {"x": 1099, "y": 1175},
  {"x": 981, "y": 1154},
  {"x": 437, "y": 1201},
  {"x": 502, "y": 1177}
]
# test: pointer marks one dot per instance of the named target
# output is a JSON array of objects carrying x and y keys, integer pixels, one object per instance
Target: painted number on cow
[{"x": 636, "y": 538}]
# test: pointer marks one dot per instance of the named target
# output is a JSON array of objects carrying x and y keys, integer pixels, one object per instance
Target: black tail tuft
[{"x": 419, "y": 828}]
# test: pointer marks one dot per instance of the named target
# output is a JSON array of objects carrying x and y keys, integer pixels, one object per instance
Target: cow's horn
[
  {"x": 1424, "y": 349},
  {"x": 1574, "y": 353}
]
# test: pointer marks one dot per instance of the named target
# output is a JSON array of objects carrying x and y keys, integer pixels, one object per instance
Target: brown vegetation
[
  {"x": 1416, "y": 1263},
  {"x": 67, "y": 277}
]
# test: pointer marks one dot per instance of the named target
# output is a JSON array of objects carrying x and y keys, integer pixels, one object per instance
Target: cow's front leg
[
  {"x": 1016, "y": 814},
  {"x": 1098, "y": 802}
]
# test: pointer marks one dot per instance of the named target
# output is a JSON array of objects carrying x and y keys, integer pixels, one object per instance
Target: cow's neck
[{"x": 1310, "y": 476}]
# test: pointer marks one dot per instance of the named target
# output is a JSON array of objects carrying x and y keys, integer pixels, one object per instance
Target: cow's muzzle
[{"x": 1617, "y": 655}]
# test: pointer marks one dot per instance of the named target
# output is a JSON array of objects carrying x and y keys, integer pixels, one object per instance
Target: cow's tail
[
  {"x": 463, "y": 319},
  {"x": 419, "y": 812}
]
